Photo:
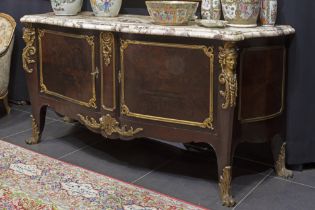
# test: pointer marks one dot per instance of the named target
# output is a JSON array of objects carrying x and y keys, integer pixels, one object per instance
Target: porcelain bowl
[
  {"x": 241, "y": 13},
  {"x": 172, "y": 12},
  {"x": 211, "y": 23}
]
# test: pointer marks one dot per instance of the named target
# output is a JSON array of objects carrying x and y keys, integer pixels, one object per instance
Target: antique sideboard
[{"x": 126, "y": 77}]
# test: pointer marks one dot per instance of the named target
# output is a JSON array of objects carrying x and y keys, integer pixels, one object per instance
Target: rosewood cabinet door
[
  {"x": 167, "y": 83},
  {"x": 67, "y": 66},
  {"x": 262, "y": 83}
]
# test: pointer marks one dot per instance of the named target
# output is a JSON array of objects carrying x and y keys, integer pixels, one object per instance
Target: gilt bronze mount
[
  {"x": 228, "y": 62},
  {"x": 30, "y": 50},
  {"x": 108, "y": 125}
]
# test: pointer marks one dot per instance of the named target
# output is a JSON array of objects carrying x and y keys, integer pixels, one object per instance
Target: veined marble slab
[{"x": 138, "y": 24}]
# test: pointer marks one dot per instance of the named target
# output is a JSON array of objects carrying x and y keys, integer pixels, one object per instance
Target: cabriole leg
[{"x": 227, "y": 99}]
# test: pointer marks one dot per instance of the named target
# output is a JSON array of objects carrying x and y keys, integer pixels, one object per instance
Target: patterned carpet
[{"x": 32, "y": 181}]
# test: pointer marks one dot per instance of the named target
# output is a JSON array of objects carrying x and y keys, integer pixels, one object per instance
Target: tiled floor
[{"x": 190, "y": 176}]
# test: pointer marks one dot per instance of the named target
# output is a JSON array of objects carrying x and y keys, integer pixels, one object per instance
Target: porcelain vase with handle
[{"x": 268, "y": 12}]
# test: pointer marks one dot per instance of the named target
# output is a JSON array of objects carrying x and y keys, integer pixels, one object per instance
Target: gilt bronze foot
[
  {"x": 225, "y": 187},
  {"x": 32, "y": 140},
  {"x": 35, "y": 138},
  {"x": 280, "y": 168}
]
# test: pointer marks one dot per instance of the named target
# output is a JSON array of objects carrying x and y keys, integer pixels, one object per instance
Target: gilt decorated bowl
[
  {"x": 172, "y": 12},
  {"x": 241, "y": 13}
]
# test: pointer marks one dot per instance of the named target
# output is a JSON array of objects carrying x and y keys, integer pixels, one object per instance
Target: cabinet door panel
[
  {"x": 67, "y": 65},
  {"x": 262, "y": 83},
  {"x": 169, "y": 83}
]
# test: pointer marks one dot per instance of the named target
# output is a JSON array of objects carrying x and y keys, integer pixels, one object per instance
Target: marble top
[{"x": 144, "y": 25}]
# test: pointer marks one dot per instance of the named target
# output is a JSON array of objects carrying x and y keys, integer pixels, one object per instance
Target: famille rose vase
[
  {"x": 108, "y": 8},
  {"x": 268, "y": 12},
  {"x": 241, "y": 13},
  {"x": 211, "y": 9},
  {"x": 66, "y": 7}
]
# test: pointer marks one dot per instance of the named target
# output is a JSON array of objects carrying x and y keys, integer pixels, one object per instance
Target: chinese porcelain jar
[
  {"x": 66, "y": 7},
  {"x": 241, "y": 13},
  {"x": 108, "y": 8},
  {"x": 211, "y": 9},
  {"x": 268, "y": 12}
]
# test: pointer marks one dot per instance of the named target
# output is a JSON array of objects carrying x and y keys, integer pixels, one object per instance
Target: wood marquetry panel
[
  {"x": 67, "y": 65},
  {"x": 262, "y": 83},
  {"x": 165, "y": 82}
]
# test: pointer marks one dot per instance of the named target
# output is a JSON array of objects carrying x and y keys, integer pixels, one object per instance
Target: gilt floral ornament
[{"x": 241, "y": 13}]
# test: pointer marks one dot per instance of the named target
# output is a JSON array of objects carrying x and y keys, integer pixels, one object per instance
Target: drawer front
[
  {"x": 167, "y": 83},
  {"x": 67, "y": 66}
]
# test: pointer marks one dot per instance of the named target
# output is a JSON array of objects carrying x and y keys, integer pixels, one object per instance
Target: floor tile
[
  {"x": 58, "y": 139},
  {"x": 169, "y": 169},
  {"x": 15, "y": 122},
  {"x": 257, "y": 156},
  {"x": 240, "y": 160},
  {"x": 305, "y": 177},
  {"x": 52, "y": 114},
  {"x": 124, "y": 160},
  {"x": 27, "y": 108},
  {"x": 194, "y": 179},
  {"x": 280, "y": 195}
]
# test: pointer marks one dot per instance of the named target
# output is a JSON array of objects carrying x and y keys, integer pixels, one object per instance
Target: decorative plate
[{"x": 211, "y": 23}]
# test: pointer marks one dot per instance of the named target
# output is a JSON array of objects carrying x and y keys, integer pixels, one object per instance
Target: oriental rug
[{"x": 33, "y": 181}]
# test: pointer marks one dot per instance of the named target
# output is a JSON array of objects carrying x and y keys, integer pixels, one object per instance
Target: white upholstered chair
[{"x": 7, "y": 28}]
